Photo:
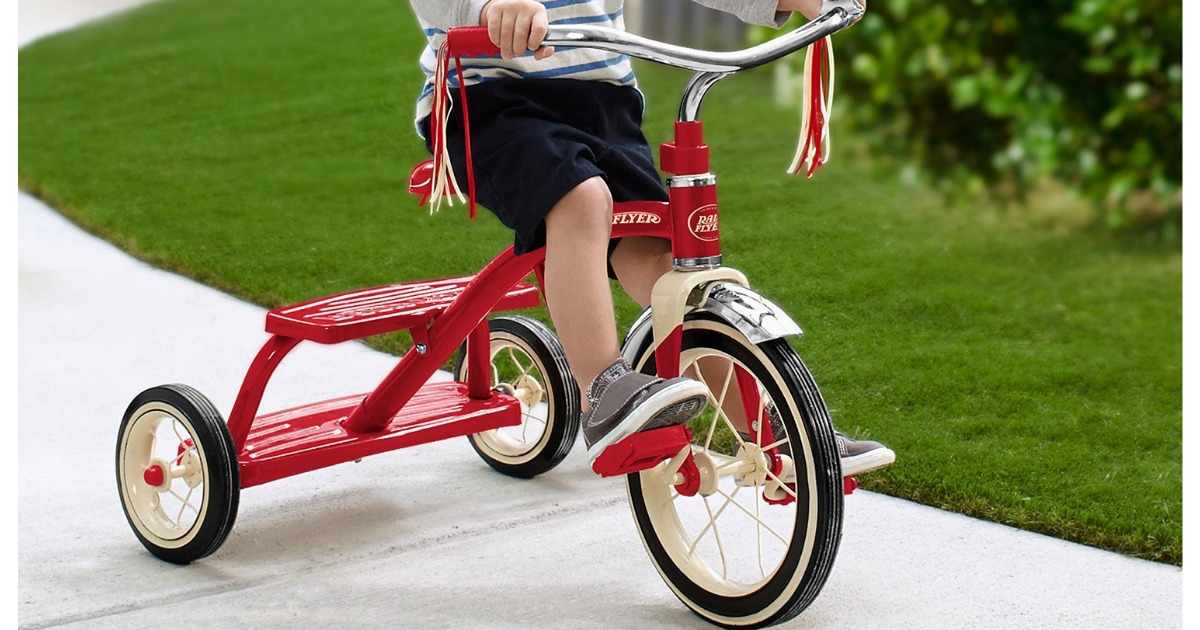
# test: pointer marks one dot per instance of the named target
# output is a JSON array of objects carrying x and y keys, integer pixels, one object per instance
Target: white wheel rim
[
  {"x": 521, "y": 375},
  {"x": 168, "y": 515},
  {"x": 731, "y": 543}
]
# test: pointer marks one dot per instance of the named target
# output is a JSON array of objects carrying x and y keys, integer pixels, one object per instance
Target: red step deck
[{"x": 302, "y": 439}]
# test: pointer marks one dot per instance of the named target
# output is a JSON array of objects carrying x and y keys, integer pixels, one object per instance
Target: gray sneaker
[
  {"x": 858, "y": 456},
  {"x": 623, "y": 402}
]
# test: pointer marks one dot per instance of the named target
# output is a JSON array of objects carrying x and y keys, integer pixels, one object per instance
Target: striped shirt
[{"x": 569, "y": 63}]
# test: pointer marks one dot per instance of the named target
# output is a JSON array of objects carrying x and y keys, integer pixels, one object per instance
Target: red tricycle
[{"x": 741, "y": 519}]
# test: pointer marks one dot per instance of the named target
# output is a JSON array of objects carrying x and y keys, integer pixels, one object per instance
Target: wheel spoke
[
  {"x": 736, "y": 435},
  {"x": 512, "y": 355},
  {"x": 719, "y": 407},
  {"x": 515, "y": 382},
  {"x": 712, "y": 519},
  {"x": 529, "y": 419},
  {"x": 717, "y": 536},
  {"x": 720, "y": 402},
  {"x": 758, "y": 417},
  {"x": 695, "y": 365},
  {"x": 747, "y": 512},
  {"x": 758, "y": 537},
  {"x": 153, "y": 444},
  {"x": 185, "y": 502}
]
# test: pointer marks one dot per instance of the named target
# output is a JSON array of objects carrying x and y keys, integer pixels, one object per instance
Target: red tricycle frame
[{"x": 404, "y": 409}]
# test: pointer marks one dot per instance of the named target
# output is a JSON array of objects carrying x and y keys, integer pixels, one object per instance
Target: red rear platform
[{"x": 307, "y": 438}]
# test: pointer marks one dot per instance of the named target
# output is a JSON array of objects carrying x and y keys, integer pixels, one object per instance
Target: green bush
[{"x": 998, "y": 95}]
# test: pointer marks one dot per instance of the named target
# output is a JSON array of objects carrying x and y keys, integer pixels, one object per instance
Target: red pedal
[
  {"x": 641, "y": 451},
  {"x": 849, "y": 485}
]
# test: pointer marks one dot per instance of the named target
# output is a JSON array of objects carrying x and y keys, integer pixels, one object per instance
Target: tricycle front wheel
[
  {"x": 177, "y": 473},
  {"x": 753, "y": 543}
]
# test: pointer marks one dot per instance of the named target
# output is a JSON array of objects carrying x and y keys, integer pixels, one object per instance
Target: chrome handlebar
[
  {"x": 835, "y": 16},
  {"x": 710, "y": 66}
]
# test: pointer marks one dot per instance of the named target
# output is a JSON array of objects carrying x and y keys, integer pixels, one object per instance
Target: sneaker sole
[
  {"x": 671, "y": 406},
  {"x": 871, "y": 460}
]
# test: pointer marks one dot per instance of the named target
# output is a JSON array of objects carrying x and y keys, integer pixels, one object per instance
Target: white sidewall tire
[{"x": 780, "y": 596}]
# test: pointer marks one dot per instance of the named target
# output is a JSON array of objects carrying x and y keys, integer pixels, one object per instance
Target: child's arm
[
  {"x": 447, "y": 14},
  {"x": 767, "y": 12},
  {"x": 810, "y": 8}
]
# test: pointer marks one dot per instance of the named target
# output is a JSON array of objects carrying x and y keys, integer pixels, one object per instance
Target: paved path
[{"x": 427, "y": 537}]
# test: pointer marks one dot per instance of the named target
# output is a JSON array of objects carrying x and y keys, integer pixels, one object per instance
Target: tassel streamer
[
  {"x": 814, "y": 145},
  {"x": 444, "y": 184}
]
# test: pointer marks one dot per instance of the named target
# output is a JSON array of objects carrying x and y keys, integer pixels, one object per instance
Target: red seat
[{"x": 420, "y": 181}]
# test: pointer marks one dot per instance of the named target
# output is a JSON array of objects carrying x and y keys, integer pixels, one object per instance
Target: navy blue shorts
[{"x": 534, "y": 140}]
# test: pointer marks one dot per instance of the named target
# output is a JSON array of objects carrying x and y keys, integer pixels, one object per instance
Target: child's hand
[{"x": 517, "y": 26}]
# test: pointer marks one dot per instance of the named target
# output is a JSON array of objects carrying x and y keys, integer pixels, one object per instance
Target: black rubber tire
[
  {"x": 805, "y": 565},
  {"x": 213, "y": 458},
  {"x": 538, "y": 343}
]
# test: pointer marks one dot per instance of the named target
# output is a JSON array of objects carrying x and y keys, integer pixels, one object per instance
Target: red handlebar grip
[{"x": 471, "y": 41}]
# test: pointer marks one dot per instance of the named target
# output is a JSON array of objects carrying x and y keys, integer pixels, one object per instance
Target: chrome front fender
[
  {"x": 753, "y": 315},
  {"x": 756, "y": 317}
]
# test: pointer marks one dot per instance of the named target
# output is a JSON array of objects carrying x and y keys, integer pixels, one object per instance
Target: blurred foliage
[{"x": 998, "y": 95}]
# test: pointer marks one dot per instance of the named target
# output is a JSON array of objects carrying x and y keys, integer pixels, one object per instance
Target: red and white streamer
[
  {"x": 444, "y": 184},
  {"x": 816, "y": 103}
]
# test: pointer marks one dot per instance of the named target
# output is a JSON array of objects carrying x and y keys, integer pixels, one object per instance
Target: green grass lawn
[{"x": 1025, "y": 375}]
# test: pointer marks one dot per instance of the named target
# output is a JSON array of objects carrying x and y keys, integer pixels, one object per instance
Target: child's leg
[
  {"x": 577, "y": 291},
  {"x": 618, "y": 401},
  {"x": 639, "y": 262}
]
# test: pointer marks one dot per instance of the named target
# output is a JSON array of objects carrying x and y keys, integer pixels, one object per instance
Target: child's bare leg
[
  {"x": 577, "y": 291},
  {"x": 639, "y": 262},
  {"x": 619, "y": 402}
]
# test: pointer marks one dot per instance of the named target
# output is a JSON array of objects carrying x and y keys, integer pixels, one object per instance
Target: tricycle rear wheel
[
  {"x": 177, "y": 473},
  {"x": 528, "y": 362}
]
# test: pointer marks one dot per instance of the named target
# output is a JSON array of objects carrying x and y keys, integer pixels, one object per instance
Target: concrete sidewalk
[{"x": 427, "y": 537}]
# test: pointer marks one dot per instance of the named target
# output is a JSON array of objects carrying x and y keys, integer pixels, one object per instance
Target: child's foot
[
  {"x": 623, "y": 402},
  {"x": 858, "y": 456}
]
